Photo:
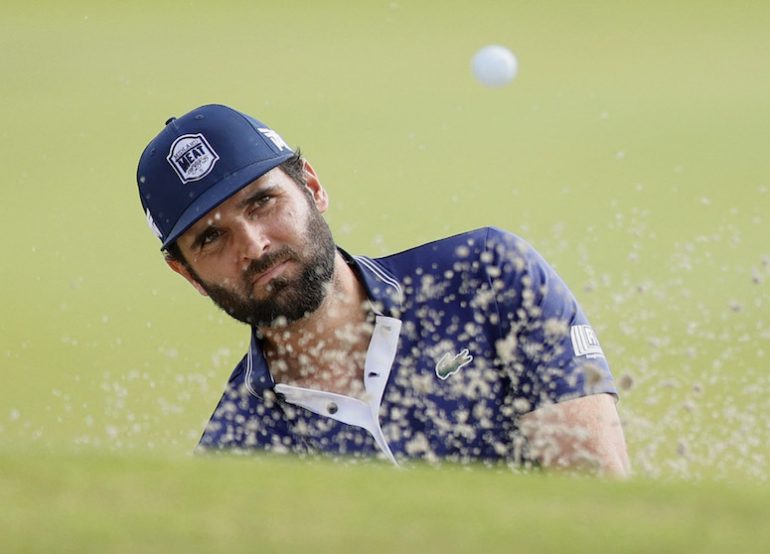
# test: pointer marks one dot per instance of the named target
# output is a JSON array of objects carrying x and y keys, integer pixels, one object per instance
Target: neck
[{"x": 326, "y": 349}]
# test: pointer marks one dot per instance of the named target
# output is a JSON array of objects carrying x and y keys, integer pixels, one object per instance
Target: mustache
[{"x": 266, "y": 262}]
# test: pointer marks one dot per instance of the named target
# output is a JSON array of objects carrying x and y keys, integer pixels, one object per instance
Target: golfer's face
[{"x": 265, "y": 252}]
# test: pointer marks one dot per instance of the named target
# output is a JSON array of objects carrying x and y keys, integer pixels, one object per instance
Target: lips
[{"x": 270, "y": 273}]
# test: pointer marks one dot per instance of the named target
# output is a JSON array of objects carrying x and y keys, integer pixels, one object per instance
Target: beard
[{"x": 287, "y": 299}]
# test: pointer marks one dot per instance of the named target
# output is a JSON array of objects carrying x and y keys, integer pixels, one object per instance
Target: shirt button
[{"x": 332, "y": 408}]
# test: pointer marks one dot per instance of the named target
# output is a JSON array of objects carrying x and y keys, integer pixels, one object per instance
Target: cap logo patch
[
  {"x": 192, "y": 157},
  {"x": 153, "y": 227},
  {"x": 275, "y": 138}
]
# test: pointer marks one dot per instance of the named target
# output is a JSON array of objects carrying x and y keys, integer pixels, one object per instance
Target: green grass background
[
  {"x": 632, "y": 150},
  {"x": 116, "y": 504}
]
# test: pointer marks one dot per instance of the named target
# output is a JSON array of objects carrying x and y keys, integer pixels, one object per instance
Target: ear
[
  {"x": 181, "y": 268},
  {"x": 317, "y": 191}
]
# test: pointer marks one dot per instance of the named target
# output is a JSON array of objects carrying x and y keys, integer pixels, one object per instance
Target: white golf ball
[{"x": 495, "y": 65}]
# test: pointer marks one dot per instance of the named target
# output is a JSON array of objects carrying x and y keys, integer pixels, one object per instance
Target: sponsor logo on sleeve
[{"x": 584, "y": 342}]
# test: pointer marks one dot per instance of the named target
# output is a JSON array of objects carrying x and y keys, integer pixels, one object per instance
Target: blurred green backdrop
[{"x": 632, "y": 150}]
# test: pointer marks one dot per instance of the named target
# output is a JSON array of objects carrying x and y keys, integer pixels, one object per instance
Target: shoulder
[
  {"x": 472, "y": 252},
  {"x": 467, "y": 246}
]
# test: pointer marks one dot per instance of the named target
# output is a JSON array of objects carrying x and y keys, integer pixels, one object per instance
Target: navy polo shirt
[{"x": 470, "y": 332}]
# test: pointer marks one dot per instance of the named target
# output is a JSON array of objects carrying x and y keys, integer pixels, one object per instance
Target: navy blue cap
[{"x": 198, "y": 161}]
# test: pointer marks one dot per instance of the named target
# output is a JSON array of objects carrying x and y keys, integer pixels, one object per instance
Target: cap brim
[{"x": 220, "y": 192}]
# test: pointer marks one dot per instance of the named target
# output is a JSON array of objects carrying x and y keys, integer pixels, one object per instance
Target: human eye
[
  {"x": 262, "y": 199},
  {"x": 207, "y": 238}
]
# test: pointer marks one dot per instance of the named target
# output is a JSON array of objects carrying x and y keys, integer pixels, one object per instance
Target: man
[{"x": 466, "y": 349}]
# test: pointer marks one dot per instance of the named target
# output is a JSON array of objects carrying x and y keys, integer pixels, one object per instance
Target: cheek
[
  {"x": 220, "y": 273},
  {"x": 291, "y": 226},
  {"x": 228, "y": 282}
]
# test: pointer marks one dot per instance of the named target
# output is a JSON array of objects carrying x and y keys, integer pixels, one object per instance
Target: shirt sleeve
[
  {"x": 546, "y": 343},
  {"x": 241, "y": 421}
]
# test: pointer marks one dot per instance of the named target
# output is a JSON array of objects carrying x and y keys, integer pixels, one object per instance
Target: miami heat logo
[{"x": 192, "y": 157}]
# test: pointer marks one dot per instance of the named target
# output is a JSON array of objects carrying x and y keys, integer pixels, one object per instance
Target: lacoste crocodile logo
[{"x": 449, "y": 365}]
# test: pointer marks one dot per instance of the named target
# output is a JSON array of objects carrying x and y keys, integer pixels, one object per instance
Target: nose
[{"x": 252, "y": 241}]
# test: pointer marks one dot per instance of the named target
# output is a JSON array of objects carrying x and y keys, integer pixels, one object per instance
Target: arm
[{"x": 582, "y": 433}]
